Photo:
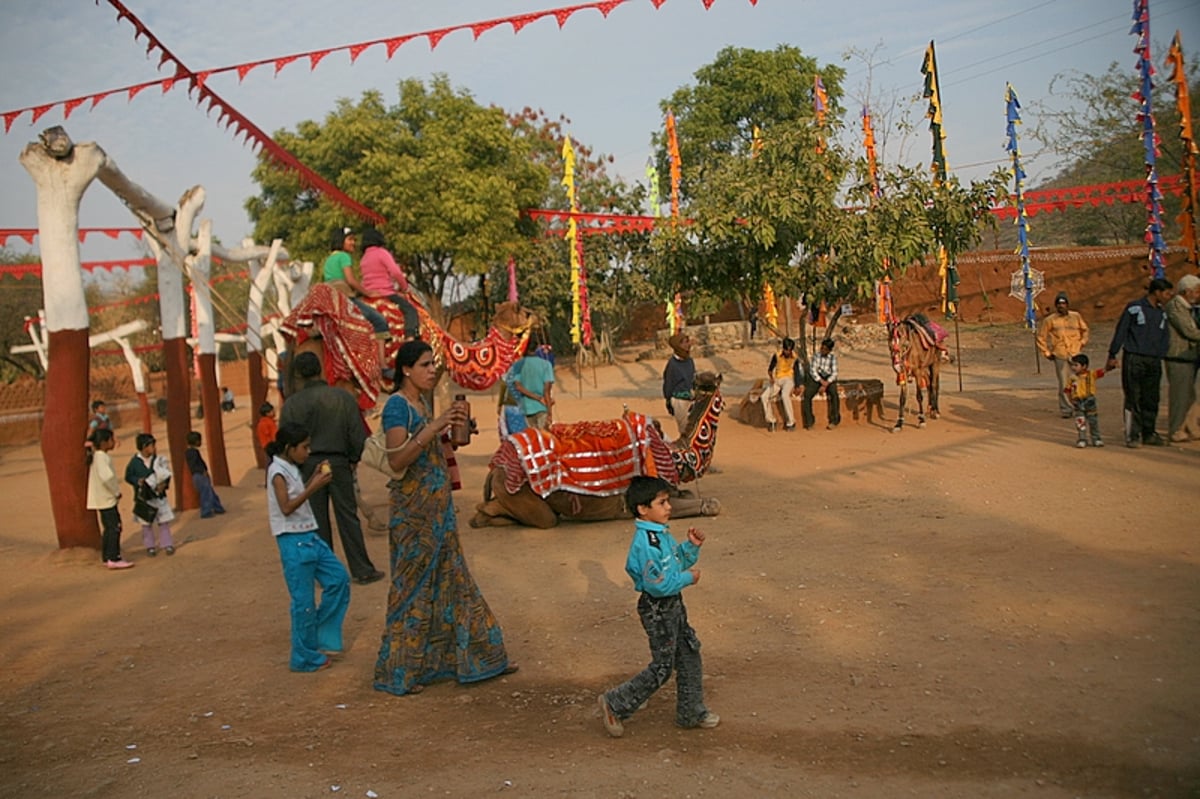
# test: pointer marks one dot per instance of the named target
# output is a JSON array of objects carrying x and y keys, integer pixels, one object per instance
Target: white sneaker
[
  {"x": 118, "y": 564},
  {"x": 1081, "y": 444}
]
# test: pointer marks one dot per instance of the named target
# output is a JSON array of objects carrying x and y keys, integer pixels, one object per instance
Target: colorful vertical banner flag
[
  {"x": 670, "y": 311},
  {"x": 885, "y": 310},
  {"x": 756, "y": 142},
  {"x": 652, "y": 188},
  {"x": 820, "y": 108},
  {"x": 1150, "y": 141},
  {"x": 676, "y": 165},
  {"x": 771, "y": 311},
  {"x": 1013, "y": 116},
  {"x": 680, "y": 321},
  {"x": 581, "y": 323},
  {"x": 1187, "y": 214},
  {"x": 933, "y": 94},
  {"x": 512, "y": 280}
]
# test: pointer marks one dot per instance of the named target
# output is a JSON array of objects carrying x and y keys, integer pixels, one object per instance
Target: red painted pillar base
[
  {"x": 63, "y": 432},
  {"x": 258, "y": 395},
  {"x": 175, "y": 362}
]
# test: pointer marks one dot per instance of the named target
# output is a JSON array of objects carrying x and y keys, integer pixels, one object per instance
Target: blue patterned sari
[{"x": 438, "y": 624}]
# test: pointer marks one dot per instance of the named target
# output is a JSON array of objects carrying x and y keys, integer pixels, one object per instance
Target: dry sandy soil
[{"x": 975, "y": 609}]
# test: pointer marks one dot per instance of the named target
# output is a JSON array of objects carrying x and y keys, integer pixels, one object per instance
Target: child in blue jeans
[
  {"x": 210, "y": 503},
  {"x": 661, "y": 569},
  {"x": 316, "y": 629}
]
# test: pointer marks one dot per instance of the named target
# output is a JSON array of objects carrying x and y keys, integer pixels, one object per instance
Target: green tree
[
  {"x": 19, "y": 298},
  {"x": 451, "y": 178},
  {"x": 777, "y": 211}
]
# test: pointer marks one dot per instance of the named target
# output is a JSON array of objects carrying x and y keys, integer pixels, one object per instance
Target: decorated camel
[
  {"x": 579, "y": 471},
  {"x": 917, "y": 359},
  {"x": 327, "y": 323}
]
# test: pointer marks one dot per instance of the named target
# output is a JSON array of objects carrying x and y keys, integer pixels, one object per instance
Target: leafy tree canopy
[{"x": 450, "y": 177}]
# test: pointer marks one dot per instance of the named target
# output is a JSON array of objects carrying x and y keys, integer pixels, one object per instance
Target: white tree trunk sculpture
[{"x": 61, "y": 172}]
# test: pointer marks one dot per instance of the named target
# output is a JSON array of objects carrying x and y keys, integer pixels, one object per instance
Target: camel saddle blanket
[
  {"x": 594, "y": 458},
  {"x": 350, "y": 349}
]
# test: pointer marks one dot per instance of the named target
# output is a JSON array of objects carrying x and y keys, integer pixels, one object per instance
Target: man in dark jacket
[
  {"x": 337, "y": 434},
  {"x": 1142, "y": 333}
]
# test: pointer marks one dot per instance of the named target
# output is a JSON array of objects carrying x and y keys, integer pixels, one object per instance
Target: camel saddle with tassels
[{"x": 594, "y": 458}]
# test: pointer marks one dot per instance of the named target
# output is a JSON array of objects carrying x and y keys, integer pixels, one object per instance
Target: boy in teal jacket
[{"x": 660, "y": 570}]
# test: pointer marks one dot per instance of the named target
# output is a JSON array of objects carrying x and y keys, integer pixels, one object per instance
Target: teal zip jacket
[{"x": 656, "y": 564}]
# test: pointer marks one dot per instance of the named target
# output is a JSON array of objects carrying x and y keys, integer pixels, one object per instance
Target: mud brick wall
[{"x": 21, "y": 402}]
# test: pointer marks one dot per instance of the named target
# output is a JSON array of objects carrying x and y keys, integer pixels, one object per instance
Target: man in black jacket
[{"x": 1142, "y": 333}]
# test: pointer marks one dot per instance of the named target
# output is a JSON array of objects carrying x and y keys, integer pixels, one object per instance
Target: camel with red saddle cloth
[{"x": 580, "y": 471}]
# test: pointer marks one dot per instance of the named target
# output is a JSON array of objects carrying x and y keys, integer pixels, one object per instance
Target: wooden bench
[{"x": 858, "y": 397}]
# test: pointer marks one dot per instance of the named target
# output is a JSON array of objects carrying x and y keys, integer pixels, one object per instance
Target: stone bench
[{"x": 858, "y": 397}]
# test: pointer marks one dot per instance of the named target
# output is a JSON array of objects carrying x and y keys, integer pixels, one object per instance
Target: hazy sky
[{"x": 607, "y": 75}]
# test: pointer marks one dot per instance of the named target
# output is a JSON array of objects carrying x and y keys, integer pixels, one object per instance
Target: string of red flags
[
  {"x": 28, "y": 234},
  {"x": 230, "y": 117},
  {"x": 1187, "y": 215},
  {"x": 1013, "y": 117},
  {"x": 1149, "y": 136},
  {"x": 312, "y": 57}
]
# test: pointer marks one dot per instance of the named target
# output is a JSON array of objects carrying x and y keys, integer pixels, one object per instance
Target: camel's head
[
  {"x": 513, "y": 320},
  {"x": 707, "y": 382}
]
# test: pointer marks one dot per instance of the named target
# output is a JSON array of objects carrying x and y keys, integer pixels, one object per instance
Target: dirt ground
[{"x": 975, "y": 609}]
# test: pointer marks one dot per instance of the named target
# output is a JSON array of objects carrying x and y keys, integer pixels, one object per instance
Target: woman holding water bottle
[{"x": 438, "y": 625}]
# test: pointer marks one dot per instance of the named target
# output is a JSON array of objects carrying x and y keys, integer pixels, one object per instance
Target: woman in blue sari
[{"x": 438, "y": 624}]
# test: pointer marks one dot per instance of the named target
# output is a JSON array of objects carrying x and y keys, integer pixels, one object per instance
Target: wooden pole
[{"x": 958, "y": 353}]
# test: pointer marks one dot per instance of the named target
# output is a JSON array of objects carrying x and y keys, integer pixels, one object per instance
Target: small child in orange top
[
  {"x": 1081, "y": 393},
  {"x": 267, "y": 426}
]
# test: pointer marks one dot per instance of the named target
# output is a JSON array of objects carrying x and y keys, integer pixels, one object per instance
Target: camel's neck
[{"x": 693, "y": 450}]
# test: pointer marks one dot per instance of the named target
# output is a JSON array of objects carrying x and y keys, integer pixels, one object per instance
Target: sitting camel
[{"x": 580, "y": 471}]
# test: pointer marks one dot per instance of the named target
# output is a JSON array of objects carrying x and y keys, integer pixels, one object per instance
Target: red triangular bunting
[
  {"x": 436, "y": 36},
  {"x": 483, "y": 27},
  {"x": 657, "y": 3},
  {"x": 167, "y": 84},
  {"x": 521, "y": 21},
  {"x": 280, "y": 63},
  {"x": 96, "y": 98},
  {"x": 9, "y": 118},
  {"x": 201, "y": 77},
  {"x": 563, "y": 14},
  {"x": 606, "y": 8},
  {"x": 315, "y": 57},
  {"x": 243, "y": 70},
  {"x": 394, "y": 44},
  {"x": 707, "y": 4},
  {"x": 40, "y": 111},
  {"x": 71, "y": 105},
  {"x": 357, "y": 50},
  {"x": 133, "y": 90}
]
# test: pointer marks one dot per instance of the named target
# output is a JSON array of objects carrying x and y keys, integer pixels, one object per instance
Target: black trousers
[
  {"x": 674, "y": 647},
  {"x": 110, "y": 535},
  {"x": 340, "y": 491},
  {"x": 1140, "y": 378},
  {"x": 811, "y": 388}
]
